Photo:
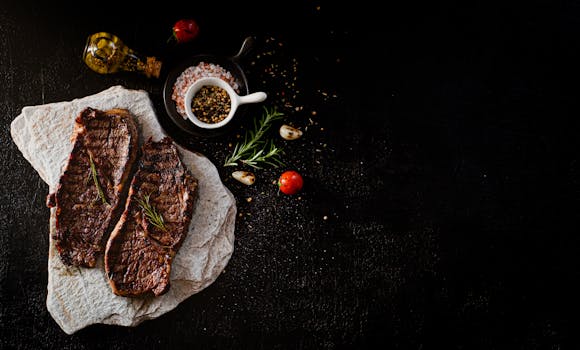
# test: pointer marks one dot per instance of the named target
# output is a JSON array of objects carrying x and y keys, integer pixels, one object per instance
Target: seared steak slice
[
  {"x": 140, "y": 250},
  {"x": 91, "y": 189}
]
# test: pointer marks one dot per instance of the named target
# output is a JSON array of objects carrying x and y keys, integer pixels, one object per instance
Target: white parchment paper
[{"x": 79, "y": 297}]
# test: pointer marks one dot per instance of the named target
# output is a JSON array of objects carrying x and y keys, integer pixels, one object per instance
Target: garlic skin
[
  {"x": 245, "y": 177},
  {"x": 290, "y": 133}
]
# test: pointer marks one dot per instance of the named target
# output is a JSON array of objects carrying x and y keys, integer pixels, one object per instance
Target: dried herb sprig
[
  {"x": 151, "y": 213},
  {"x": 96, "y": 179},
  {"x": 254, "y": 150}
]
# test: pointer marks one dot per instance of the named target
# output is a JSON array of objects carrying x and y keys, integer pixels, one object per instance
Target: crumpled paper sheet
[{"x": 79, "y": 297}]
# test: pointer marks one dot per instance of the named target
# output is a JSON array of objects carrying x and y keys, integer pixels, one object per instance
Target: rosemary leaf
[
  {"x": 151, "y": 213},
  {"x": 269, "y": 154},
  {"x": 253, "y": 150},
  {"x": 96, "y": 180}
]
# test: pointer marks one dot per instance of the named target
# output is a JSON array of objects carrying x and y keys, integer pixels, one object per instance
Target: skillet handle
[{"x": 247, "y": 46}]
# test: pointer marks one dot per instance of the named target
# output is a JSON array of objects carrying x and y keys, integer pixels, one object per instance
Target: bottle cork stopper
[{"x": 153, "y": 67}]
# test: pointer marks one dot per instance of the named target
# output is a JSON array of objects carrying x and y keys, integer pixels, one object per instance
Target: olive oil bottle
[{"x": 105, "y": 53}]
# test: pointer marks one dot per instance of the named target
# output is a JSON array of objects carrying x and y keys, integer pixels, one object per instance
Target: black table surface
[{"x": 442, "y": 174}]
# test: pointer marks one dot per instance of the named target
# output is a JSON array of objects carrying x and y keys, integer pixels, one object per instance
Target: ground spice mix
[{"x": 211, "y": 104}]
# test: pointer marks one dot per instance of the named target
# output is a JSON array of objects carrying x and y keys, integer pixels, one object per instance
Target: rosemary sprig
[
  {"x": 151, "y": 213},
  {"x": 254, "y": 150},
  {"x": 270, "y": 157},
  {"x": 96, "y": 180}
]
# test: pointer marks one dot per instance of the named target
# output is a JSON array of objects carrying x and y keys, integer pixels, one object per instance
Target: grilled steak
[
  {"x": 156, "y": 220},
  {"x": 91, "y": 189}
]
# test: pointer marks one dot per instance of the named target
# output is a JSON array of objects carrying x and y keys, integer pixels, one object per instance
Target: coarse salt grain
[{"x": 191, "y": 74}]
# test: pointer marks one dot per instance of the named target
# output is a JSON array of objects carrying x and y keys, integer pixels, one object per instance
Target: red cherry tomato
[
  {"x": 185, "y": 30},
  {"x": 290, "y": 182}
]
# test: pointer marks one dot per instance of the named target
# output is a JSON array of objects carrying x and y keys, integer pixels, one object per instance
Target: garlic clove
[
  {"x": 245, "y": 177},
  {"x": 290, "y": 133}
]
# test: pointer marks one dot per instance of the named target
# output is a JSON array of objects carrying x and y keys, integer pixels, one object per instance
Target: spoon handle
[
  {"x": 252, "y": 98},
  {"x": 247, "y": 46}
]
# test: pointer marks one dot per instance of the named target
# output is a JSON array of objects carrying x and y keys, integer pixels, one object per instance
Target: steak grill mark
[
  {"x": 139, "y": 255},
  {"x": 83, "y": 220}
]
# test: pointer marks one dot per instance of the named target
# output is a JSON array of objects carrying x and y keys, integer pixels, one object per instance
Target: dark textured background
[{"x": 441, "y": 164}]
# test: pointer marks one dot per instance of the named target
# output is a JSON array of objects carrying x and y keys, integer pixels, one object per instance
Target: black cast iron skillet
[{"x": 231, "y": 64}]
